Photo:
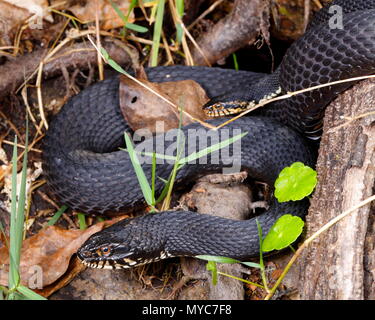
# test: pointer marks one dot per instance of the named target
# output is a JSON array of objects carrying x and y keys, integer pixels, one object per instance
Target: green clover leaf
[
  {"x": 295, "y": 182},
  {"x": 283, "y": 233}
]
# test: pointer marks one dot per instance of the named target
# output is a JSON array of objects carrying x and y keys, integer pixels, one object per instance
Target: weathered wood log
[
  {"x": 242, "y": 26},
  {"x": 79, "y": 55},
  {"x": 340, "y": 263}
]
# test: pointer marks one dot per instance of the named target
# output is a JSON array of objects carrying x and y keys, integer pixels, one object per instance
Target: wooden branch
[
  {"x": 79, "y": 55},
  {"x": 340, "y": 264},
  {"x": 242, "y": 26}
]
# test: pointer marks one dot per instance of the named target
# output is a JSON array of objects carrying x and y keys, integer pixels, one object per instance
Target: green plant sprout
[
  {"x": 179, "y": 162},
  {"x": 15, "y": 290},
  {"x": 128, "y": 25},
  {"x": 285, "y": 230}
]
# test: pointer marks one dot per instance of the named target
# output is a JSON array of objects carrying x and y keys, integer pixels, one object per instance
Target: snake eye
[{"x": 105, "y": 250}]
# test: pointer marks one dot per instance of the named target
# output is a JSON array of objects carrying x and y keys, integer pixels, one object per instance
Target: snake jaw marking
[
  {"x": 221, "y": 109},
  {"x": 226, "y": 108}
]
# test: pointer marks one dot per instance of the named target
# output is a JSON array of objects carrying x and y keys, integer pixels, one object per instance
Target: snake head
[
  {"x": 125, "y": 244},
  {"x": 221, "y": 106}
]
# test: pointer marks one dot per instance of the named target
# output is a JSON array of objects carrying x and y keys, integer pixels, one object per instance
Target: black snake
[{"x": 86, "y": 171}]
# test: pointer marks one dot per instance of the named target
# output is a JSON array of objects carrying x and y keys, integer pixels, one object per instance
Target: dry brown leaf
[
  {"x": 37, "y": 7},
  {"x": 48, "y": 251},
  {"x": 75, "y": 267},
  {"x": 11, "y": 18},
  {"x": 107, "y": 15},
  {"x": 142, "y": 109}
]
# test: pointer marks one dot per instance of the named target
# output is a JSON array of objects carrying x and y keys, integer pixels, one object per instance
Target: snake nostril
[{"x": 134, "y": 99}]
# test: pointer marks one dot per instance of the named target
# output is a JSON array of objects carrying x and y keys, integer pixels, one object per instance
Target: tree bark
[{"x": 340, "y": 263}]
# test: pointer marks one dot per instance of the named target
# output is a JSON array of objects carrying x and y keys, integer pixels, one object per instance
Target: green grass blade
[
  {"x": 235, "y": 62},
  {"x": 153, "y": 177},
  {"x": 17, "y": 219},
  {"x": 112, "y": 62},
  {"x": 157, "y": 32},
  {"x": 145, "y": 187},
  {"x": 164, "y": 192},
  {"x": 180, "y": 11},
  {"x": 57, "y": 215},
  {"x": 82, "y": 221},
  {"x": 219, "y": 259},
  {"x": 128, "y": 25},
  {"x": 213, "y": 148},
  {"x": 180, "y": 148},
  {"x": 136, "y": 27},
  {"x": 21, "y": 202},
  {"x": 157, "y": 155},
  {"x": 13, "y": 268},
  {"x": 29, "y": 294}
]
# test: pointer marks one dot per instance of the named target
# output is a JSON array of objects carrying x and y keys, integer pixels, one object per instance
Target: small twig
[
  {"x": 54, "y": 204},
  {"x": 318, "y": 4},
  {"x": 98, "y": 44},
  {"x": 306, "y": 14},
  {"x": 38, "y": 86},
  {"x": 209, "y": 10},
  {"x": 179, "y": 21},
  {"x": 312, "y": 237},
  {"x": 13, "y": 127},
  {"x": 26, "y": 102},
  {"x": 240, "y": 279},
  {"x": 350, "y": 120},
  {"x": 10, "y": 166},
  {"x": 21, "y": 146},
  {"x": 167, "y": 49}
]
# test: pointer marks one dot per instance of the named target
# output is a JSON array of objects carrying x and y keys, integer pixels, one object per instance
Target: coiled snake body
[{"x": 85, "y": 169}]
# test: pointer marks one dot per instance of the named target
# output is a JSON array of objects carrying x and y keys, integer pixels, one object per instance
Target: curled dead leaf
[
  {"x": 47, "y": 253},
  {"x": 142, "y": 109}
]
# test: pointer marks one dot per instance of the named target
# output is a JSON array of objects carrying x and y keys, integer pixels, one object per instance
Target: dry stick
[
  {"x": 312, "y": 237},
  {"x": 26, "y": 102},
  {"x": 7, "y": 47},
  {"x": 30, "y": 146},
  {"x": 21, "y": 146},
  {"x": 350, "y": 120},
  {"x": 98, "y": 44},
  {"x": 72, "y": 37},
  {"x": 178, "y": 20},
  {"x": 306, "y": 14},
  {"x": 61, "y": 32},
  {"x": 49, "y": 57},
  {"x": 188, "y": 56},
  {"x": 38, "y": 86},
  {"x": 34, "y": 185},
  {"x": 318, "y": 4},
  {"x": 185, "y": 47},
  {"x": 167, "y": 50},
  {"x": 291, "y": 94},
  {"x": 156, "y": 93},
  {"x": 39, "y": 72},
  {"x": 10, "y": 124},
  {"x": 210, "y": 9},
  {"x": 195, "y": 44}
]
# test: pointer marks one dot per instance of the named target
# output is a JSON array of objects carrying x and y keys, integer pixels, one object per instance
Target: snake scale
[{"x": 87, "y": 171}]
